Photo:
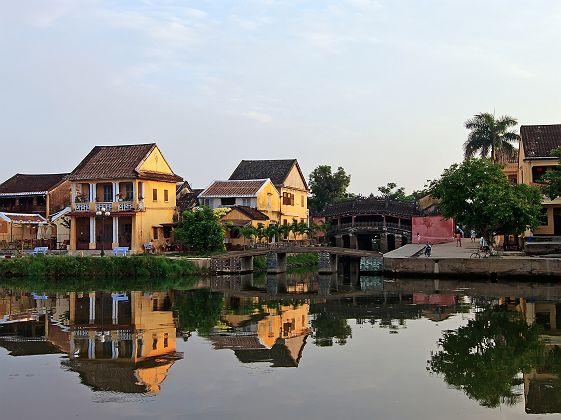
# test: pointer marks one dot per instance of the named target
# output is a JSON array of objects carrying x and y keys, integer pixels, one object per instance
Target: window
[
  {"x": 154, "y": 194},
  {"x": 167, "y": 232},
  {"x": 228, "y": 201},
  {"x": 538, "y": 172},
  {"x": 246, "y": 202},
  {"x": 154, "y": 342},
  {"x": 269, "y": 199},
  {"x": 141, "y": 190},
  {"x": 543, "y": 216},
  {"x": 166, "y": 196},
  {"x": 155, "y": 233},
  {"x": 107, "y": 192},
  {"x": 165, "y": 340},
  {"x": 287, "y": 199},
  {"x": 302, "y": 200}
]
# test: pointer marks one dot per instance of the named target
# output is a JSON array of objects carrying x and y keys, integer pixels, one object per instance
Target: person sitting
[
  {"x": 149, "y": 248},
  {"x": 428, "y": 249}
]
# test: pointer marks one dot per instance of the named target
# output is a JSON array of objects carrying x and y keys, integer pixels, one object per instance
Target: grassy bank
[
  {"x": 94, "y": 267},
  {"x": 293, "y": 261}
]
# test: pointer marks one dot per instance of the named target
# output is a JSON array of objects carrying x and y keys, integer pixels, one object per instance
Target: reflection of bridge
[{"x": 328, "y": 259}]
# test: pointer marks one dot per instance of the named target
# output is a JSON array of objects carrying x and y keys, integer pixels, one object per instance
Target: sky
[{"x": 381, "y": 88}]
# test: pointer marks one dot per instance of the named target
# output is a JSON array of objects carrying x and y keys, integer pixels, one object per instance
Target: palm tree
[
  {"x": 284, "y": 231},
  {"x": 271, "y": 231},
  {"x": 490, "y": 135}
]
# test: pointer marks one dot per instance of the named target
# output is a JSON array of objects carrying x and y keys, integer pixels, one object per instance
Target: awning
[{"x": 23, "y": 218}]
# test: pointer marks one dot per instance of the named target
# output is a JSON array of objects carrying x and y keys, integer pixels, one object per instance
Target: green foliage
[
  {"x": 391, "y": 191},
  {"x": 200, "y": 230},
  {"x": 328, "y": 326},
  {"x": 485, "y": 357},
  {"x": 490, "y": 135},
  {"x": 199, "y": 310},
  {"x": 49, "y": 266},
  {"x": 552, "y": 179},
  {"x": 477, "y": 194},
  {"x": 327, "y": 187}
]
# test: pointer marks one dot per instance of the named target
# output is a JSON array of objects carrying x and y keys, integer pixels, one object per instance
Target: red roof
[
  {"x": 113, "y": 162},
  {"x": 242, "y": 188},
  {"x": 540, "y": 140},
  {"x": 31, "y": 183}
]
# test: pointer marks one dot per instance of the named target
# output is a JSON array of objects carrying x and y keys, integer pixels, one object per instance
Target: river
[{"x": 286, "y": 346}]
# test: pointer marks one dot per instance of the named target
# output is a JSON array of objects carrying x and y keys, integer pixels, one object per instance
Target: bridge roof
[{"x": 371, "y": 206}]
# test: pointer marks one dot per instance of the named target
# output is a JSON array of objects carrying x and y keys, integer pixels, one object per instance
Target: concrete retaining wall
[{"x": 479, "y": 267}]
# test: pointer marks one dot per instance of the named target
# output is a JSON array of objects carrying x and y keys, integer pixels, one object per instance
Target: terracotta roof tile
[
  {"x": 540, "y": 140},
  {"x": 244, "y": 188},
  {"x": 112, "y": 162},
  {"x": 250, "y": 212},
  {"x": 31, "y": 183}
]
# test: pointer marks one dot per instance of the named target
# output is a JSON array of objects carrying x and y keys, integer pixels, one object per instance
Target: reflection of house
[
  {"x": 120, "y": 342},
  {"x": 267, "y": 334},
  {"x": 135, "y": 184},
  {"x": 287, "y": 177}
]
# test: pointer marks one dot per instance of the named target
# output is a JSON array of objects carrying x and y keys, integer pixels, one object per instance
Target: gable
[
  {"x": 154, "y": 162},
  {"x": 294, "y": 179}
]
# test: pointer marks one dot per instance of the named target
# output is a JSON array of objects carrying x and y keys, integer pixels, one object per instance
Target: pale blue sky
[{"x": 381, "y": 88}]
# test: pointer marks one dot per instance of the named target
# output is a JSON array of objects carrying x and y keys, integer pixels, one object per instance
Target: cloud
[{"x": 259, "y": 117}]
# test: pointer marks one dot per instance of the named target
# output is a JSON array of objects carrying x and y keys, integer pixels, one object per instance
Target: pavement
[{"x": 445, "y": 250}]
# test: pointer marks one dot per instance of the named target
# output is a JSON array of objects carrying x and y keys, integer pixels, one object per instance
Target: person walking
[
  {"x": 418, "y": 238},
  {"x": 472, "y": 235},
  {"x": 458, "y": 238}
]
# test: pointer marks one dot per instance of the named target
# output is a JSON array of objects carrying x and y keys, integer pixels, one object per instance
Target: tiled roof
[
  {"x": 31, "y": 183},
  {"x": 374, "y": 205},
  {"x": 276, "y": 170},
  {"x": 23, "y": 218},
  {"x": 244, "y": 188},
  {"x": 188, "y": 200},
  {"x": 540, "y": 140},
  {"x": 112, "y": 162},
  {"x": 250, "y": 212}
]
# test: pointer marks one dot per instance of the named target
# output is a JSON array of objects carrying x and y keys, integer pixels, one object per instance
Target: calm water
[{"x": 296, "y": 346}]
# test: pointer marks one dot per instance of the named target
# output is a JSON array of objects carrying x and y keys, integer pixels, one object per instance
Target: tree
[
  {"x": 490, "y": 135},
  {"x": 552, "y": 179},
  {"x": 391, "y": 191},
  {"x": 248, "y": 232},
  {"x": 327, "y": 187},
  {"x": 200, "y": 229},
  {"x": 478, "y": 194},
  {"x": 485, "y": 358}
]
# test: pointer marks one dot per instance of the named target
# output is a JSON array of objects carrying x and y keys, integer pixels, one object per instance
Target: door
[{"x": 557, "y": 221}]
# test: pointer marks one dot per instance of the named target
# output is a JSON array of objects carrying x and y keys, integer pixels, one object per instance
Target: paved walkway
[{"x": 446, "y": 250}]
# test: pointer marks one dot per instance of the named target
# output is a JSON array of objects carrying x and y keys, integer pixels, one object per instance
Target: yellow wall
[
  {"x": 294, "y": 185},
  {"x": 271, "y": 211},
  {"x": 155, "y": 162}
]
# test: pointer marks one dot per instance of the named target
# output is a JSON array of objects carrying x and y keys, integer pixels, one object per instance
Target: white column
[
  {"x": 92, "y": 229},
  {"x": 116, "y": 230},
  {"x": 91, "y": 347},
  {"x": 114, "y": 349},
  {"x": 115, "y": 190},
  {"x": 92, "y": 308},
  {"x": 115, "y": 312},
  {"x": 134, "y": 194},
  {"x": 92, "y": 191}
]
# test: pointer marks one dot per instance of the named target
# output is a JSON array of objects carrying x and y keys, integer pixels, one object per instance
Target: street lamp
[{"x": 102, "y": 213}]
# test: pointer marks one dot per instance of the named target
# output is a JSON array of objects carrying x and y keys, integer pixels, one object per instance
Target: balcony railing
[
  {"x": 125, "y": 205},
  {"x": 107, "y": 205}
]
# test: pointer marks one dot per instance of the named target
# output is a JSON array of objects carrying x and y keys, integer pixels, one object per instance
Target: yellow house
[
  {"x": 242, "y": 216},
  {"x": 287, "y": 177},
  {"x": 122, "y": 196},
  {"x": 536, "y": 144}
]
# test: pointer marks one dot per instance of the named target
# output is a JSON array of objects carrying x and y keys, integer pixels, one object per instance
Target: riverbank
[
  {"x": 142, "y": 266},
  {"x": 449, "y": 260}
]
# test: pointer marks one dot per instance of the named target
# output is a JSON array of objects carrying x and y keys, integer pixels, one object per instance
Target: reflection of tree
[
  {"x": 328, "y": 326},
  {"x": 199, "y": 310},
  {"x": 485, "y": 357}
]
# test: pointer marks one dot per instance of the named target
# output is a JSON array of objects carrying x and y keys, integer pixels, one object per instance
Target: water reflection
[{"x": 506, "y": 349}]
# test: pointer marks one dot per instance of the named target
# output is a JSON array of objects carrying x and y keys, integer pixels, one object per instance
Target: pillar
[
  {"x": 327, "y": 262},
  {"x": 246, "y": 264},
  {"x": 276, "y": 262},
  {"x": 115, "y": 191},
  {"x": 115, "y": 240},
  {"x": 93, "y": 192},
  {"x": 247, "y": 281},
  {"x": 92, "y": 232},
  {"x": 115, "y": 312},
  {"x": 92, "y": 307},
  {"x": 354, "y": 273},
  {"x": 353, "y": 241}
]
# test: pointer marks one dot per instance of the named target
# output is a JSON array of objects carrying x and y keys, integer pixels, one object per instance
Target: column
[
  {"x": 115, "y": 191},
  {"x": 91, "y": 347},
  {"x": 92, "y": 192},
  {"x": 115, "y": 312},
  {"x": 73, "y": 192},
  {"x": 92, "y": 232},
  {"x": 115, "y": 239},
  {"x": 92, "y": 307}
]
